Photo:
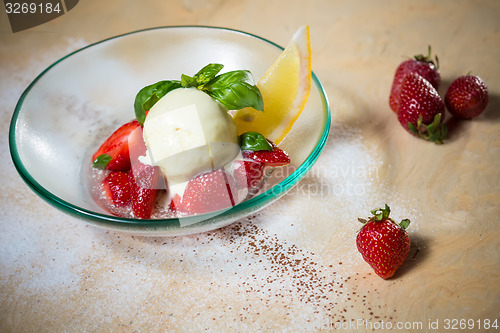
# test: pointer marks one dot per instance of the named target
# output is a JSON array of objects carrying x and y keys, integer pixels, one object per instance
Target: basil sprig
[
  {"x": 204, "y": 75},
  {"x": 149, "y": 95},
  {"x": 254, "y": 141},
  {"x": 101, "y": 161},
  {"x": 235, "y": 90}
]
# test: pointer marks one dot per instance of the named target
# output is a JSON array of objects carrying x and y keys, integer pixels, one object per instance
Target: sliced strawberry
[
  {"x": 248, "y": 174},
  {"x": 276, "y": 157},
  {"x": 144, "y": 186},
  {"x": 117, "y": 188},
  {"x": 209, "y": 192},
  {"x": 113, "y": 154},
  {"x": 136, "y": 144},
  {"x": 176, "y": 203}
]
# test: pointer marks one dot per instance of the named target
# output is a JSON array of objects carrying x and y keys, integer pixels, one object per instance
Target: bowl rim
[{"x": 258, "y": 201}]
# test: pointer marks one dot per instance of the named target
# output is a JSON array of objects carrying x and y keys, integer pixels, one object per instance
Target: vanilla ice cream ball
[{"x": 187, "y": 133}]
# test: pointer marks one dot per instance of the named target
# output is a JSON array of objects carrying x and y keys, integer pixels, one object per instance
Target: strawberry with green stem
[
  {"x": 383, "y": 243},
  {"x": 423, "y": 65},
  {"x": 421, "y": 109}
]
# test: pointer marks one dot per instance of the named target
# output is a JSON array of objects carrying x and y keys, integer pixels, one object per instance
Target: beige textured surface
[{"x": 294, "y": 266}]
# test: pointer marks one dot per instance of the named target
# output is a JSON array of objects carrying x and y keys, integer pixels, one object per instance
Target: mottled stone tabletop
[{"x": 293, "y": 266}]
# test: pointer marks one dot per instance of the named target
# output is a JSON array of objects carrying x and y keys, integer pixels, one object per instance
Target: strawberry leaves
[
  {"x": 428, "y": 58},
  {"x": 434, "y": 132},
  {"x": 382, "y": 214}
]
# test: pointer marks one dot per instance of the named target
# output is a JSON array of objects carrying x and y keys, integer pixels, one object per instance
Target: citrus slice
[{"x": 285, "y": 88}]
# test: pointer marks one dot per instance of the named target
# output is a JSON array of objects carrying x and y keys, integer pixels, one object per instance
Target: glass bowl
[{"x": 74, "y": 104}]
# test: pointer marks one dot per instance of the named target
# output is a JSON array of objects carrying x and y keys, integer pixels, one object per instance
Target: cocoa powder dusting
[{"x": 287, "y": 272}]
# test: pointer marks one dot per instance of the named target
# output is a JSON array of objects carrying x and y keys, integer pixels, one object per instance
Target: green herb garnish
[
  {"x": 101, "y": 161},
  {"x": 149, "y": 95},
  {"x": 235, "y": 90},
  {"x": 254, "y": 141}
]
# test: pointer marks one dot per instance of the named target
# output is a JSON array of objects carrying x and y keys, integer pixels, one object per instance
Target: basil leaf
[
  {"x": 235, "y": 90},
  {"x": 102, "y": 161},
  {"x": 203, "y": 76},
  {"x": 237, "y": 96},
  {"x": 254, "y": 141},
  {"x": 230, "y": 77},
  {"x": 187, "y": 81},
  {"x": 207, "y": 73},
  {"x": 149, "y": 95}
]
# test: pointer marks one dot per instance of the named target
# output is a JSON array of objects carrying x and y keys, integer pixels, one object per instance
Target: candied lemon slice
[{"x": 285, "y": 88}]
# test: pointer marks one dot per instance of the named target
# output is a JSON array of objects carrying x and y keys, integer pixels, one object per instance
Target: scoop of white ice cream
[{"x": 186, "y": 133}]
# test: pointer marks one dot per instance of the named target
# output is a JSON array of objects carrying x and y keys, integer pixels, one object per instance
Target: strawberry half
[
  {"x": 113, "y": 154},
  {"x": 117, "y": 188},
  {"x": 144, "y": 186},
  {"x": 248, "y": 174},
  {"x": 467, "y": 97},
  {"x": 176, "y": 203},
  {"x": 276, "y": 157},
  {"x": 420, "y": 64},
  {"x": 421, "y": 109},
  {"x": 383, "y": 243},
  {"x": 209, "y": 192}
]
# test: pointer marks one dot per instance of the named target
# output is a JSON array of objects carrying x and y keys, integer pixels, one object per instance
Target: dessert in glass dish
[
  {"x": 183, "y": 153},
  {"x": 202, "y": 143}
]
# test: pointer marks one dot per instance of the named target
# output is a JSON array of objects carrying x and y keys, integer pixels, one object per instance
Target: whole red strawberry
[
  {"x": 467, "y": 97},
  {"x": 420, "y": 64},
  {"x": 421, "y": 109},
  {"x": 383, "y": 243}
]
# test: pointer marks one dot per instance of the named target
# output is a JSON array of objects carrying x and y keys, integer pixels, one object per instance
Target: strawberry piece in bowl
[
  {"x": 113, "y": 154},
  {"x": 116, "y": 187},
  {"x": 249, "y": 175},
  {"x": 208, "y": 192},
  {"x": 275, "y": 157},
  {"x": 145, "y": 182}
]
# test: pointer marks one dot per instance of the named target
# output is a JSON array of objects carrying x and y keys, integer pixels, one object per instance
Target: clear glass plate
[{"x": 72, "y": 106}]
